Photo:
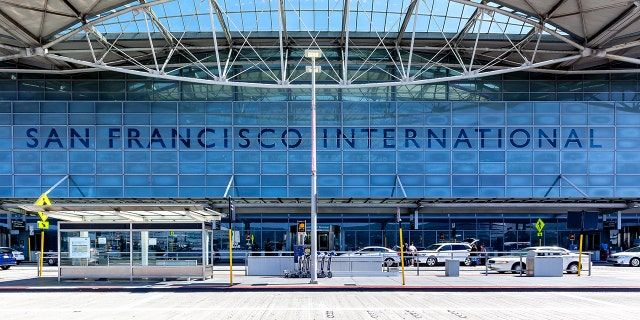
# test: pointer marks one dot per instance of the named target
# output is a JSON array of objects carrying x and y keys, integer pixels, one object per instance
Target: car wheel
[
  {"x": 431, "y": 261},
  {"x": 635, "y": 262},
  {"x": 572, "y": 267},
  {"x": 467, "y": 261},
  {"x": 389, "y": 262},
  {"x": 51, "y": 262},
  {"x": 5, "y": 267},
  {"x": 518, "y": 267}
]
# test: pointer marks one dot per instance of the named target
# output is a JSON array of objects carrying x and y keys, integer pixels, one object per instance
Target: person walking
[{"x": 413, "y": 251}]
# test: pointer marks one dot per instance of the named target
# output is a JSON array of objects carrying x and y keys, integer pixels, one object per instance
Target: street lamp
[{"x": 313, "y": 54}]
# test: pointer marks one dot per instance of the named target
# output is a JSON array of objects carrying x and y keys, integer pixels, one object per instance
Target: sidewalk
[{"x": 603, "y": 278}]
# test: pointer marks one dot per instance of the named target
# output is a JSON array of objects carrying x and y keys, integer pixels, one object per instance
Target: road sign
[
  {"x": 43, "y": 224},
  {"x": 539, "y": 234},
  {"x": 539, "y": 225}
]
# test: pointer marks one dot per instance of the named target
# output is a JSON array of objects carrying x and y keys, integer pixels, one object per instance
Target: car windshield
[
  {"x": 635, "y": 249},
  {"x": 433, "y": 247}
]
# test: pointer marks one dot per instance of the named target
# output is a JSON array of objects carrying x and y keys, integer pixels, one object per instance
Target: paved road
[
  {"x": 470, "y": 296},
  {"x": 320, "y": 305}
]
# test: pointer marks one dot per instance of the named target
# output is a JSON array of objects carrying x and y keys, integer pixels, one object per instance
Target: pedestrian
[
  {"x": 474, "y": 255},
  {"x": 405, "y": 250},
  {"x": 412, "y": 252},
  {"x": 483, "y": 254}
]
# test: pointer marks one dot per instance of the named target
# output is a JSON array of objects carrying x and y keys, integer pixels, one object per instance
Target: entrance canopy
[{"x": 207, "y": 210}]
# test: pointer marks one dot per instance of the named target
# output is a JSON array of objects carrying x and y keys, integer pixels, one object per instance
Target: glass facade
[{"x": 513, "y": 136}]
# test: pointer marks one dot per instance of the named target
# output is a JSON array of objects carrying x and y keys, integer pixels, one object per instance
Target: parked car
[
  {"x": 389, "y": 257},
  {"x": 16, "y": 253},
  {"x": 630, "y": 257},
  {"x": 6, "y": 258},
  {"x": 517, "y": 262},
  {"x": 439, "y": 252}
]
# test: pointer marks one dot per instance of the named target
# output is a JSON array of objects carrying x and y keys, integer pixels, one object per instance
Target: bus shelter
[{"x": 135, "y": 250}]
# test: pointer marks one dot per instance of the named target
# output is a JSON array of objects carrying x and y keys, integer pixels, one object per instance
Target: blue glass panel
[
  {"x": 519, "y": 180},
  {"x": 137, "y": 192},
  {"x": 110, "y": 168},
  {"x": 165, "y": 180},
  {"x": 273, "y": 180},
  {"x": 82, "y": 168},
  {"x": 463, "y": 156},
  {"x": 519, "y": 168},
  {"x": 464, "y": 180},
  {"x": 542, "y": 119},
  {"x": 627, "y": 180},
  {"x": 546, "y": 168},
  {"x": 109, "y": 180},
  {"x": 109, "y": 119},
  {"x": 382, "y": 168},
  {"x": 438, "y": 180},
  {"x": 247, "y": 168},
  {"x": 624, "y": 156},
  {"x": 53, "y": 119},
  {"x": 247, "y": 180},
  {"x": 574, "y": 119},
  {"x": 407, "y": 180},
  {"x": 27, "y": 180},
  {"x": 324, "y": 192},
  {"x": 437, "y": 168},
  {"x": 410, "y": 168},
  {"x": 136, "y": 107},
  {"x": 274, "y": 168},
  {"x": 492, "y": 168},
  {"x": 53, "y": 168},
  {"x": 136, "y": 119},
  {"x": 486, "y": 192},
  {"x": 356, "y": 192},
  {"x": 464, "y": 168},
  {"x": 137, "y": 168},
  {"x": 464, "y": 192},
  {"x": 519, "y": 192},
  {"x": 437, "y": 192},
  {"x": 355, "y": 180},
  {"x": 5, "y": 168},
  {"x": 299, "y": 180},
  {"x": 109, "y": 107},
  {"x": 192, "y": 180},
  {"x": 192, "y": 168},
  {"x": 159, "y": 119},
  {"x": 20, "y": 157},
  {"x": 79, "y": 156},
  {"x": 165, "y": 168},
  {"x": 601, "y": 180},
  {"x": 602, "y": 119},
  {"x": 218, "y": 168}
]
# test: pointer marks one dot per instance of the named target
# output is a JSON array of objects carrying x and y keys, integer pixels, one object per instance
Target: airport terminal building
[{"x": 449, "y": 119}]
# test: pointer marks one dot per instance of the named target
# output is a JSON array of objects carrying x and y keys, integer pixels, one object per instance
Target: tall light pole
[{"x": 313, "y": 54}]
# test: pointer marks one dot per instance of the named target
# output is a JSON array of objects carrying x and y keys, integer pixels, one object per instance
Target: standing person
[
  {"x": 483, "y": 254},
  {"x": 405, "y": 250},
  {"x": 474, "y": 255},
  {"x": 412, "y": 252}
]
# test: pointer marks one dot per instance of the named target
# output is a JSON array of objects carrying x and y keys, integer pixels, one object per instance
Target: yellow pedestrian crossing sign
[
  {"x": 539, "y": 227},
  {"x": 43, "y": 224}
]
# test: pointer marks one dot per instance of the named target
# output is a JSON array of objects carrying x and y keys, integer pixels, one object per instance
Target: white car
[
  {"x": 517, "y": 262},
  {"x": 439, "y": 252},
  {"x": 16, "y": 253},
  {"x": 389, "y": 257},
  {"x": 630, "y": 257}
]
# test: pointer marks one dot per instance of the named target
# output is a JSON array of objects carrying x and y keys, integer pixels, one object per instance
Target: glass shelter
[{"x": 135, "y": 250}]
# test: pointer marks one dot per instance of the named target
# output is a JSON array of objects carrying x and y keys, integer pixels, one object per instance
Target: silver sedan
[{"x": 630, "y": 257}]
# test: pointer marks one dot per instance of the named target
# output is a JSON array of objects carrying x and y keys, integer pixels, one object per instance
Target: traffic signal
[
  {"x": 302, "y": 226},
  {"x": 572, "y": 236}
]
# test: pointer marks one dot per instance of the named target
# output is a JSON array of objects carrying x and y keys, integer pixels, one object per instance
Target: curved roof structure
[{"x": 363, "y": 42}]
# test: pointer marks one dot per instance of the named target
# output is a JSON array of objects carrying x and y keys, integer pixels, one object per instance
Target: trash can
[
  {"x": 451, "y": 268},
  {"x": 544, "y": 264}
]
